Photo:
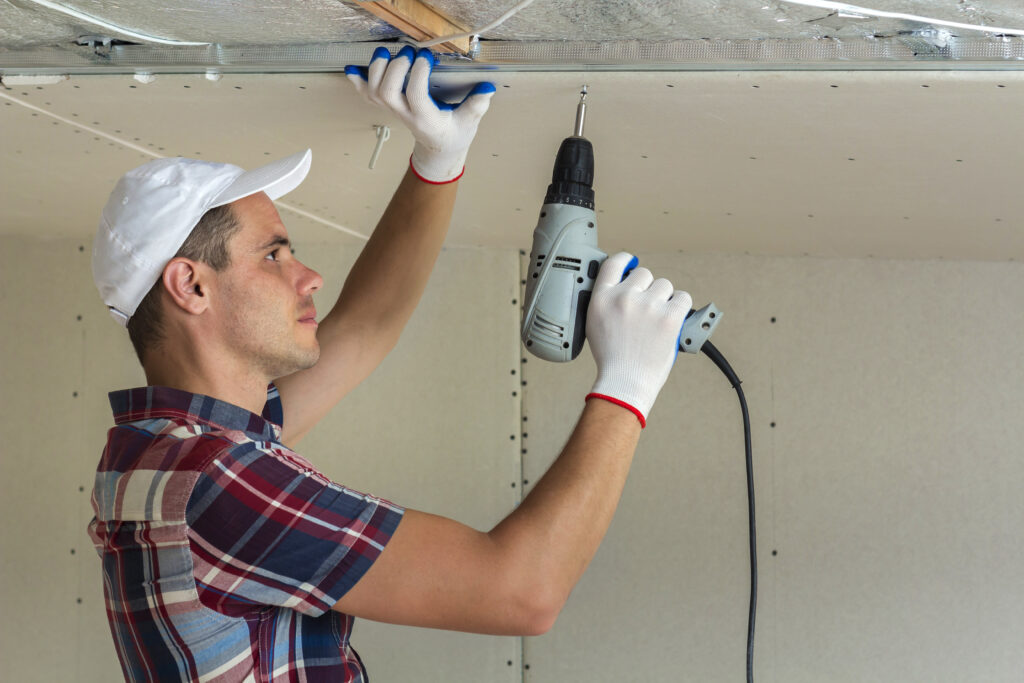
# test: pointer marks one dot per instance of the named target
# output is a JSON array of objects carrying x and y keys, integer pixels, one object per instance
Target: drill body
[{"x": 565, "y": 258}]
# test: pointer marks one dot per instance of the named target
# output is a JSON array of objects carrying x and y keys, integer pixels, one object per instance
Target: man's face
[{"x": 265, "y": 301}]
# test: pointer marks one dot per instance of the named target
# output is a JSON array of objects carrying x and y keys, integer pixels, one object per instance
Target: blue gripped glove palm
[
  {"x": 443, "y": 131},
  {"x": 633, "y": 326}
]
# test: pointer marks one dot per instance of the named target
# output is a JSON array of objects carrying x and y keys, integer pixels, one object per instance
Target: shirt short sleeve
[{"x": 266, "y": 528}]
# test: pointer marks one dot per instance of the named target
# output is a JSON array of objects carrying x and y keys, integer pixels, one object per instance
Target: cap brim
[{"x": 277, "y": 179}]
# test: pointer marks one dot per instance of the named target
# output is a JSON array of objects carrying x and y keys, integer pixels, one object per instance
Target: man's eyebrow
[{"x": 277, "y": 241}]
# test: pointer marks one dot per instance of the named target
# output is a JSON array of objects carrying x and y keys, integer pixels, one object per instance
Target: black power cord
[{"x": 716, "y": 356}]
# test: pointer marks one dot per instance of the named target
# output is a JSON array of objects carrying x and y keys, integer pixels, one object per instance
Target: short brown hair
[{"x": 207, "y": 243}]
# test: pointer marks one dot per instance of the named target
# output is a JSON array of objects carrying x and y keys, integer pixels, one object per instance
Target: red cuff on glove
[
  {"x": 435, "y": 182},
  {"x": 623, "y": 404}
]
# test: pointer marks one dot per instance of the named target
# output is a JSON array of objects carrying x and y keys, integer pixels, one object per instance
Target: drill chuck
[{"x": 572, "y": 179}]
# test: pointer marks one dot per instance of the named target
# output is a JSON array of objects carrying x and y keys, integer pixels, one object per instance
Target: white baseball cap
[{"x": 153, "y": 209}]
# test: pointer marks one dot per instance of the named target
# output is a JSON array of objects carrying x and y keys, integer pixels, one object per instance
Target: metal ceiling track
[{"x": 921, "y": 50}]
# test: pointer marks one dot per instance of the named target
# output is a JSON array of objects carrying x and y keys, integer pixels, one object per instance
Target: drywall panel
[
  {"x": 62, "y": 355},
  {"x": 836, "y": 164},
  {"x": 436, "y": 428},
  {"x": 885, "y": 402}
]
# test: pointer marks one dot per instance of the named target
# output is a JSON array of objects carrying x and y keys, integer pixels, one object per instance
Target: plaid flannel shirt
[{"x": 223, "y": 551}]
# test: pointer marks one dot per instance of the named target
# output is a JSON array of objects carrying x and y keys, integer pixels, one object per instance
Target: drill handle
[{"x": 698, "y": 328}]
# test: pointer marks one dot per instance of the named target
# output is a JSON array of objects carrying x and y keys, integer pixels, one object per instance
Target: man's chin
[
  {"x": 308, "y": 358},
  {"x": 301, "y": 360},
  {"x": 312, "y": 359}
]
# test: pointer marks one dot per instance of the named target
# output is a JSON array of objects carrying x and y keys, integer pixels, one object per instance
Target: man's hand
[
  {"x": 633, "y": 327},
  {"x": 443, "y": 131}
]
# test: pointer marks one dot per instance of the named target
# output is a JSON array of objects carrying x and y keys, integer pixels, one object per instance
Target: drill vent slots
[
  {"x": 567, "y": 263},
  {"x": 548, "y": 328}
]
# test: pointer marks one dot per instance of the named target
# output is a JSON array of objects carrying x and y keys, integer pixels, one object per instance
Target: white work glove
[
  {"x": 443, "y": 131},
  {"x": 633, "y": 326}
]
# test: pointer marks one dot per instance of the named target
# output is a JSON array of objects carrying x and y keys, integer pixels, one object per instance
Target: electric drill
[{"x": 565, "y": 259}]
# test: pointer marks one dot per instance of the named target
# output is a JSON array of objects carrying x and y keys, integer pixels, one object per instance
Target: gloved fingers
[
  {"x": 613, "y": 270},
  {"x": 355, "y": 70},
  {"x": 640, "y": 279},
  {"x": 375, "y": 73},
  {"x": 661, "y": 290},
  {"x": 357, "y": 76},
  {"x": 681, "y": 303},
  {"x": 417, "y": 92},
  {"x": 476, "y": 103},
  {"x": 393, "y": 81}
]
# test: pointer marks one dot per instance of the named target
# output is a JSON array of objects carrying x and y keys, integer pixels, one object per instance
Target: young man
[{"x": 226, "y": 555}]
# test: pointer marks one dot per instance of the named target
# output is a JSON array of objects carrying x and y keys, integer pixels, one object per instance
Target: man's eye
[{"x": 273, "y": 255}]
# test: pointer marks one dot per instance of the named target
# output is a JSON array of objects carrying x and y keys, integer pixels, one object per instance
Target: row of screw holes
[
  {"x": 526, "y": 482},
  {"x": 74, "y": 394}
]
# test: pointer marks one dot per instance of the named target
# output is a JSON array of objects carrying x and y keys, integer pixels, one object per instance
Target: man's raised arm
[
  {"x": 388, "y": 279},
  {"x": 515, "y": 578}
]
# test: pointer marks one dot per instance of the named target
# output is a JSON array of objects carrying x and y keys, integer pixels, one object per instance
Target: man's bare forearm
[
  {"x": 378, "y": 298},
  {"x": 515, "y": 579},
  {"x": 552, "y": 536},
  {"x": 388, "y": 279}
]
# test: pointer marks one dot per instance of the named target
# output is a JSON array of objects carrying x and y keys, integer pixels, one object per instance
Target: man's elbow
[{"x": 540, "y": 610}]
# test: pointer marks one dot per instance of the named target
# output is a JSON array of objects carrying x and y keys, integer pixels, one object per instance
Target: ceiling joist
[{"x": 419, "y": 21}]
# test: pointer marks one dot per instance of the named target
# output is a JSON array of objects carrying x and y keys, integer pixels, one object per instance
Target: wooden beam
[{"x": 419, "y": 21}]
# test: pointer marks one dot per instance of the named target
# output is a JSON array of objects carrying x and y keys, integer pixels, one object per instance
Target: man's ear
[{"x": 188, "y": 284}]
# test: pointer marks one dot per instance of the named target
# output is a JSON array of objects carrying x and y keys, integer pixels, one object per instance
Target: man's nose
[{"x": 309, "y": 280}]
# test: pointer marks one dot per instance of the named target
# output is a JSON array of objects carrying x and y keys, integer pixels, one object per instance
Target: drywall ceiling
[{"x": 849, "y": 164}]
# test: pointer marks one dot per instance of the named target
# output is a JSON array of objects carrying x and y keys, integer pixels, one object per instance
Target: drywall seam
[{"x": 143, "y": 150}]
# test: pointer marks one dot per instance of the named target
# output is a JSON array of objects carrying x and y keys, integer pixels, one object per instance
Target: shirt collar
[{"x": 145, "y": 403}]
